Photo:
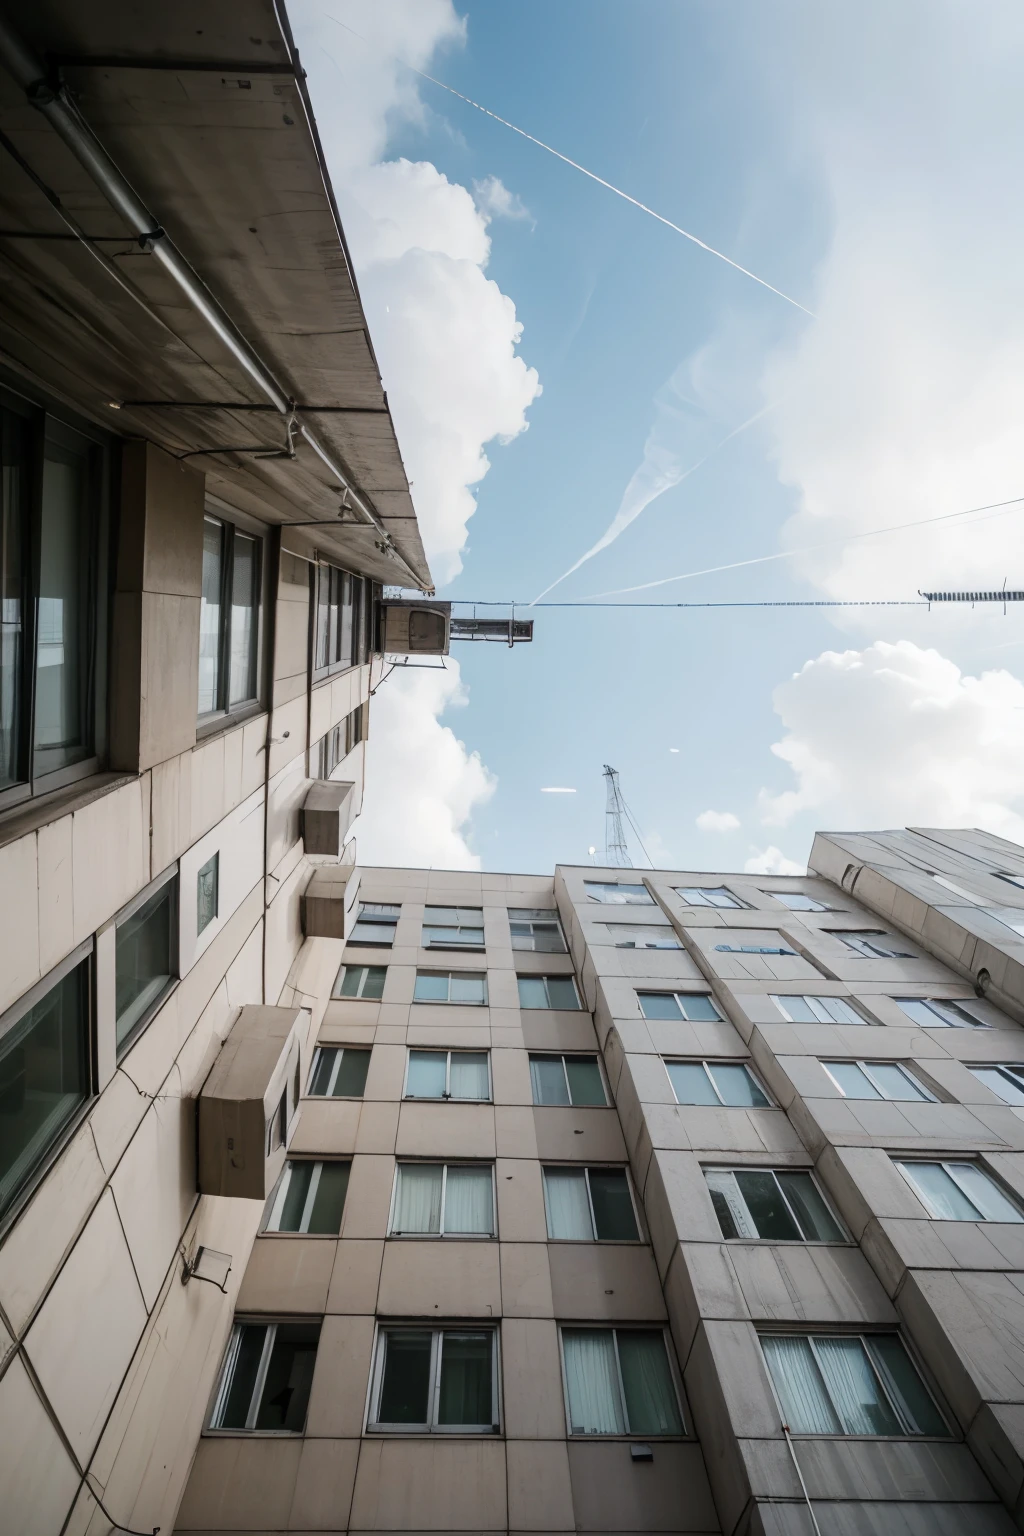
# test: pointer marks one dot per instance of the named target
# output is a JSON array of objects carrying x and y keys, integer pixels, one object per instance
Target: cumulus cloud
[
  {"x": 717, "y": 821},
  {"x": 495, "y": 201},
  {"x": 423, "y": 784},
  {"x": 894, "y": 734},
  {"x": 772, "y": 861}
]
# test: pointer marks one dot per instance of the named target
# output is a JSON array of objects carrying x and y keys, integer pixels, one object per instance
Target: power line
[{"x": 879, "y": 602}]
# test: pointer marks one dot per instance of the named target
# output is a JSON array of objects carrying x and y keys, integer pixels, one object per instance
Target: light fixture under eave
[
  {"x": 210, "y": 1265},
  {"x": 114, "y": 405}
]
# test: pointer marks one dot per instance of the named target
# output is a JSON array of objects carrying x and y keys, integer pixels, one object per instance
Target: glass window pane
[
  {"x": 618, "y": 893},
  {"x": 585, "y": 1085},
  {"x": 323, "y": 1066},
  {"x": 64, "y": 623},
  {"x": 614, "y": 1217},
  {"x": 767, "y": 1208},
  {"x": 290, "y": 1375},
  {"x": 566, "y": 1204},
  {"x": 243, "y": 631},
  {"x": 905, "y": 1384},
  {"x": 1002, "y": 1083},
  {"x": 209, "y": 617},
  {"x": 691, "y": 1083},
  {"x": 938, "y": 1192},
  {"x": 14, "y": 492},
  {"x": 854, "y": 1388},
  {"x": 983, "y": 1192},
  {"x": 796, "y": 1008},
  {"x": 426, "y": 1076},
  {"x": 838, "y": 1010},
  {"x": 592, "y": 1383},
  {"x": 736, "y": 1086},
  {"x": 532, "y": 992},
  {"x": 917, "y": 1008},
  {"x": 659, "y": 1005},
  {"x": 698, "y": 1007},
  {"x": 547, "y": 1078},
  {"x": 469, "y": 1201},
  {"x": 801, "y": 1391},
  {"x": 814, "y": 1216},
  {"x": 207, "y": 893},
  {"x": 652, "y": 1407},
  {"x": 235, "y": 1410},
  {"x": 561, "y": 992},
  {"x": 468, "y": 989},
  {"x": 430, "y": 989},
  {"x": 364, "y": 932},
  {"x": 468, "y": 1077},
  {"x": 373, "y": 982},
  {"x": 44, "y": 1078},
  {"x": 851, "y": 1080},
  {"x": 323, "y": 597},
  {"x": 466, "y": 1396},
  {"x": 418, "y": 1198},
  {"x": 894, "y": 1082},
  {"x": 351, "y": 1079},
  {"x": 733, "y": 1216},
  {"x": 329, "y": 1201},
  {"x": 289, "y": 1202},
  {"x": 143, "y": 962},
  {"x": 405, "y": 1389}
]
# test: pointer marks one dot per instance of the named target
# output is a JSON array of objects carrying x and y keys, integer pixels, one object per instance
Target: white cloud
[
  {"x": 717, "y": 821},
  {"x": 895, "y": 735},
  {"x": 422, "y": 784},
  {"x": 772, "y": 861},
  {"x": 495, "y": 201},
  {"x": 557, "y": 789}
]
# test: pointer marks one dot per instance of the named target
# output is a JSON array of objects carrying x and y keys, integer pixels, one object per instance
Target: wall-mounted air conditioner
[
  {"x": 330, "y": 900},
  {"x": 248, "y": 1104},
  {"x": 328, "y": 811},
  {"x": 416, "y": 628}
]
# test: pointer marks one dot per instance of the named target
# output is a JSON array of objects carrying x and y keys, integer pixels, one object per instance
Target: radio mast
[{"x": 615, "y": 851}]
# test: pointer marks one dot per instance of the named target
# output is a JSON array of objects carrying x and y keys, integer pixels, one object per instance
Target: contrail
[
  {"x": 628, "y": 513},
  {"x": 593, "y": 177}
]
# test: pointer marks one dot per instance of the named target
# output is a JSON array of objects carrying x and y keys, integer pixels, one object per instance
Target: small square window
[
  {"x": 548, "y": 992},
  {"x": 709, "y": 896},
  {"x": 361, "y": 981},
  {"x": 448, "y": 1075},
  {"x": 145, "y": 961},
  {"x": 339, "y": 1072},
  {"x": 875, "y": 1080},
  {"x": 849, "y": 1384},
  {"x": 266, "y": 1378},
  {"x": 696, "y": 1007},
  {"x": 309, "y": 1198},
  {"x": 716, "y": 1082},
  {"x": 958, "y": 1191},
  {"x": 435, "y": 1380},
  {"x": 802, "y": 1009},
  {"x": 781, "y": 1205},
  {"x": 574, "y": 1080},
  {"x": 207, "y": 893},
  {"x": 618, "y": 1381},
  {"x": 465, "y": 988},
  {"x": 618, "y": 894},
  {"x": 443, "y": 1200},
  {"x": 589, "y": 1205},
  {"x": 799, "y": 901},
  {"x": 938, "y": 1013}
]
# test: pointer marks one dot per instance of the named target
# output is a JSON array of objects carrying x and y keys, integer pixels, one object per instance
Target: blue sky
[{"x": 857, "y": 168}]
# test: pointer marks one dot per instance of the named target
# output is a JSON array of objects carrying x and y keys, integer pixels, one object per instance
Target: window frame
[
  {"x": 844, "y": 935},
  {"x": 278, "y": 1195},
  {"x": 457, "y": 928},
  {"x": 381, "y": 919},
  {"x": 144, "y": 1020},
  {"x": 560, "y": 1056},
  {"x": 624, "y": 943},
  {"x": 692, "y": 1061},
  {"x": 945, "y": 1163},
  {"x": 795, "y": 1242},
  {"x": 553, "y": 920},
  {"x": 339, "y": 1050},
  {"x": 346, "y": 997},
  {"x": 449, "y": 1002},
  {"x": 651, "y": 992},
  {"x": 862, "y": 1336},
  {"x": 342, "y": 738},
  {"x": 1015, "y": 1068},
  {"x": 932, "y": 1003},
  {"x": 1011, "y": 879},
  {"x": 814, "y": 903},
  {"x": 647, "y": 900},
  {"x": 372, "y": 1425},
  {"x": 585, "y": 1168},
  {"x": 734, "y": 904},
  {"x": 362, "y": 612},
  {"x": 222, "y": 1385},
  {"x": 779, "y": 999},
  {"x": 865, "y": 1066},
  {"x": 441, "y": 1235},
  {"x": 615, "y": 1329},
  {"x": 226, "y": 714},
  {"x": 448, "y": 1053},
  {"x": 549, "y": 1006}
]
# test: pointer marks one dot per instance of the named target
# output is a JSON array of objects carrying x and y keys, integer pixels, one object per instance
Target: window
[
  {"x": 340, "y": 741},
  {"x": 267, "y": 1374},
  {"x": 958, "y": 1192},
  {"x": 362, "y": 981},
  {"x": 957, "y": 890},
  {"x": 229, "y": 618},
  {"x": 1017, "y": 880},
  {"x": 938, "y": 1013},
  {"x": 697, "y": 1007},
  {"x": 753, "y": 949},
  {"x": 463, "y": 987},
  {"x": 849, "y": 1384},
  {"x": 1006, "y": 1081},
  {"x": 816, "y": 1010},
  {"x": 53, "y": 585},
  {"x": 435, "y": 1379},
  {"x": 448, "y": 1075},
  {"x": 716, "y": 1082},
  {"x": 873, "y": 945},
  {"x": 45, "y": 1072},
  {"x": 343, "y": 609},
  {"x": 875, "y": 1080},
  {"x": 146, "y": 961},
  {"x": 375, "y": 924},
  {"x": 207, "y": 893},
  {"x": 637, "y": 936},
  {"x": 548, "y": 992},
  {"x": 339, "y": 1072},
  {"x": 443, "y": 1200},
  {"x": 798, "y": 901},
  {"x": 618, "y": 1382},
  {"x": 587, "y": 1205},
  {"x": 618, "y": 894},
  {"x": 781, "y": 1205},
  {"x": 453, "y": 928},
  {"x": 572, "y": 1080},
  {"x": 308, "y": 1197},
  {"x": 536, "y": 928},
  {"x": 708, "y": 896}
]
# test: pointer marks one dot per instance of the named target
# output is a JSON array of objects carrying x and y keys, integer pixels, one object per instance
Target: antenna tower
[{"x": 615, "y": 851}]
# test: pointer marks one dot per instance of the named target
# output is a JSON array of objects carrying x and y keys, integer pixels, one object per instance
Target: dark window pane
[
  {"x": 329, "y": 1200},
  {"x": 813, "y": 1214},
  {"x": 64, "y": 624},
  {"x": 548, "y": 1080},
  {"x": 244, "y": 613},
  {"x": 14, "y": 492},
  {"x": 659, "y": 1005},
  {"x": 766, "y": 1205},
  {"x": 900, "y": 1377},
  {"x": 465, "y": 1379},
  {"x": 289, "y": 1377},
  {"x": 44, "y": 1078},
  {"x": 144, "y": 964},
  {"x": 373, "y": 986},
  {"x": 585, "y": 1085},
  {"x": 562, "y": 992},
  {"x": 243, "y": 1378},
  {"x": 613, "y": 1209},
  {"x": 406, "y": 1385},
  {"x": 321, "y": 1078},
  {"x": 209, "y": 617},
  {"x": 652, "y": 1407},
  {"x": 298, "y": 1176},
  {"x": 723, "y": 1210},
  {"x": 351, "y": 1079}
]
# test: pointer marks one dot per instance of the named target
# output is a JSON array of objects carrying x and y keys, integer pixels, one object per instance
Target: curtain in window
[
  {"x": 465, "y": 1396},
  {"x": 799, "y": 1386},
  {"x": 592, "y": 1382},
  {"x": 729, "y": 1205},
  {"x": 468, "y": 1076},
  {"x": 418, "y": 1198},
  {"x": 651, "y": 1405},
  {"x": 854, "y": 1388},
  {"x": 565, "y": 1194},
  {"x": 548, "y": 1080},
  {"x": 468, "y": 1201}
]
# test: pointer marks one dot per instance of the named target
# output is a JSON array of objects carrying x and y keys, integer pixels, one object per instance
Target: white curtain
[
  {"x": 854, "y": 1389},
  {"x": 468, "y": 1201},
  {"x": 592, "y": 1381},
  {"x": 565, "y": 1195},
  {"x": 722, "y": 1184},
  {"x": 418, "y": 1198},
  {"x": 799, "y": 1386},
  {"x": 468, "y": 1077},
  {"x": 547, "y": 1078}
]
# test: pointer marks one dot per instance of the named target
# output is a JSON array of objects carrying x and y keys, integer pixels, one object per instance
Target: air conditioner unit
[
  {"x": 249, "y": 1102},
  {"x": 329, "y": 902},
  {"x": 416, "y": 628},
  {"x": 328, "y": 811}
]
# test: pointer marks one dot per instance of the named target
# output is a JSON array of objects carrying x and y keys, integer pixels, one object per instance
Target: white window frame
[
  {"x": 1015, "y": 1069},
  {"x": 795, "y": 1242},
  {"x": 865, "y": 1067},
  {"x": 232, "y": 522},
  {"x": 866, "y": 935},
  {"x": 227, "y": 1372},
  {"x": 779, "y": 999},
  {"x": 328, "y": 1092},
  {"x": 586, "y": 1170},
  {"x": 814, "y": 904},
  {"x": 888, "y": 1396},
  {"x": 947, "y": 1164},
  {"x": 456, "y": 928},
  {"x": 373, "y": 1424},
  {"x": 431, "y": 1162},
  {"x": 347, "y": 965},
  {"x": 549, "y": 922},
  {"x": 446, "y": 1097},
  {"x": 449, "y": 1001},
  {"x": 553, "y": 1007},
  {"x": 757, "y": 949},
  {"x": 615, "y": 1329},
  {"x": 560, "y": 1056},
  {"x": 275, "y": 1204},
  {"x": 703, "y": 892},
  {"x": 689, "y": 1061},
  {"x": 647, "y": 900},
  {"x": 933, "y": 1004},
  {"x": 624, "y": 928},
  {"x": 656, "y": 992}
]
